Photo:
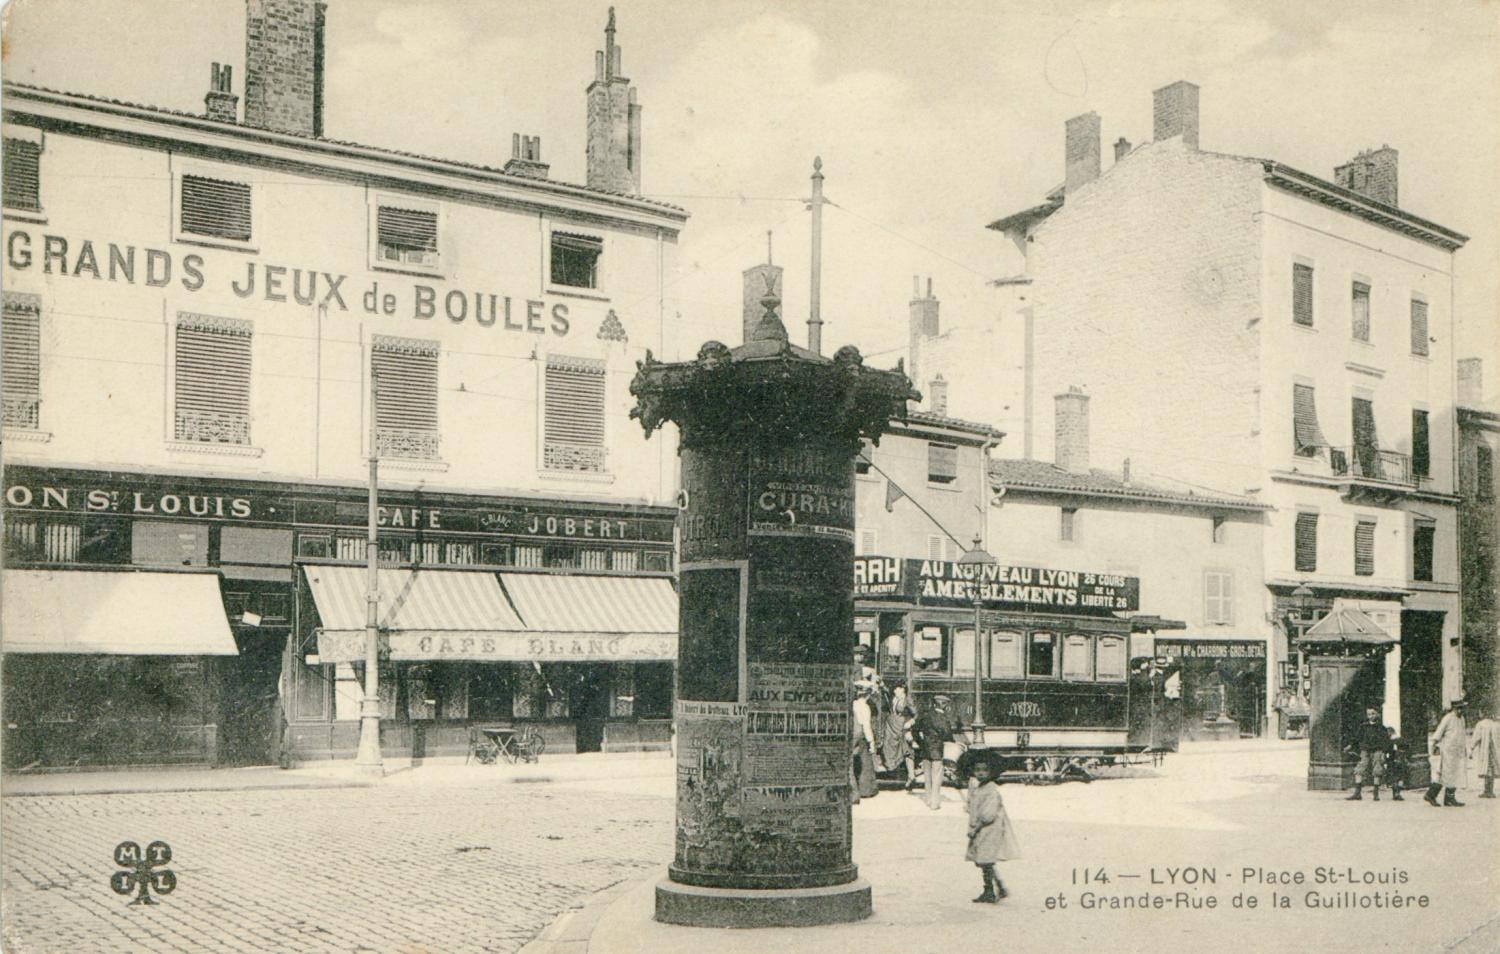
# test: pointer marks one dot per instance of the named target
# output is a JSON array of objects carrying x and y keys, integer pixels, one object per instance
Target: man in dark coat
[
  {"x": 931, "y": 729},
  {"x": 1373, "y": 742}
]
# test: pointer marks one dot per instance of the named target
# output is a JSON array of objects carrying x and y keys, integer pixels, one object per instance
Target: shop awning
[
  {"x": 117, "y": 612},
  {"x": 595, "y": 618}
]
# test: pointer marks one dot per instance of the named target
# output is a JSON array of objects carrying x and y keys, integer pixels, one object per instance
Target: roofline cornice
[
  {"x": 1327, "y": 193},
  {"x": 1197, "y": 503}
]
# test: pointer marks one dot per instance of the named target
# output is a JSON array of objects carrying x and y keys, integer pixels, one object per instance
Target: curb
[
  {"x": 180, "y": 789},
  {"x": 572, "y": 931}
]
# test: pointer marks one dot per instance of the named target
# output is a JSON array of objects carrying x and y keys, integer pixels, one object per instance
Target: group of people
[{"x": 1383, "y": 757}]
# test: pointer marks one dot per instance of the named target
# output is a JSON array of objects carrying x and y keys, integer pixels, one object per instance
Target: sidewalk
[{"x": 1218, "y": 808}]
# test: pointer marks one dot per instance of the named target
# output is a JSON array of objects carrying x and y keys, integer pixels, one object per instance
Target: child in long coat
[{"x": 991, "y": 837}]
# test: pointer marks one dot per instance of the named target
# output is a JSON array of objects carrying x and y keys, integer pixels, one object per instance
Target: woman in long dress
[{"x": 1448, "y": 749}]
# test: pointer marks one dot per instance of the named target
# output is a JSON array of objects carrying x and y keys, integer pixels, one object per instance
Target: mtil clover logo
[{"x": 143, "y": 876}]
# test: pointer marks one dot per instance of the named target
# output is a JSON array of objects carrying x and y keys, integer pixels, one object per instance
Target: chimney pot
[
  {"x": 219, "y": 103},
  {"x": 1071, "y": 430},
  {"x": 1081, "y": 135},
  {"x": 526, "y": 157},
  {"x": 1122, "y": 148},
  {"x": 1175, "y": 113}
]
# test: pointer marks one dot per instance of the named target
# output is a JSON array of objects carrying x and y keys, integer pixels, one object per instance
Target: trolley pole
[
  {"x": 368, "y": 757},
  {"x": 978, "y": 558},
  {"x": 815, "y": 305}
]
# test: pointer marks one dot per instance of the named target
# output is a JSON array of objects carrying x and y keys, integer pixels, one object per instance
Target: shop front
[{"x": 1223, "y": 685}]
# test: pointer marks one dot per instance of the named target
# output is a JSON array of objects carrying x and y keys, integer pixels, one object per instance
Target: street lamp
[
  {"x": 1302, "y": 601},
  {"x": 977, "y": 557}
]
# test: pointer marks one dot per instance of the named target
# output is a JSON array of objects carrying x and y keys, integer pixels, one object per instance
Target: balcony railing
[
  {"x": 212, "y": 427},
  {"x": 408, "y": 443},
  {"x": 1372, "y": 463},
  {"x": 575, "y": 458}
]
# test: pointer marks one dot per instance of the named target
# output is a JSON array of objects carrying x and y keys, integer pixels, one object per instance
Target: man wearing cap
[
  {"x": 932, "y": 728},
  {"x": 1448, "y": 751},
  {"x": 1372, "y": 741}
]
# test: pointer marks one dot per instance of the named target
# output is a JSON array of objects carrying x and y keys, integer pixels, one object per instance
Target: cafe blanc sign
[
  {"x": 349, "y": 646},
  {"x": 255, "y": 280}
]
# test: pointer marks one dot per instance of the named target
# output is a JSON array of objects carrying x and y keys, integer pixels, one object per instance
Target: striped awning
[
  {"x": 115, "y": 612},
  {"x": 595, "y": 618}
]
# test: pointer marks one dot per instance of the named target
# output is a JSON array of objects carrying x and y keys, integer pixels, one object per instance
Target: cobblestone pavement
[{"x": 389, "y": 869}]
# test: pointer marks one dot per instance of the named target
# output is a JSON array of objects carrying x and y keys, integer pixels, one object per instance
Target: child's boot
[
  {"x": 1356, "y": 796},
  {"x": 1396, "y": 794},
  {"x": 988, "y": 897},
  {"x": 1375, "y": 792}
]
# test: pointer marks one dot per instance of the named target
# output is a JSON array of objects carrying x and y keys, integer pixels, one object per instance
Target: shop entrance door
[
  {"x": 1421, "y": 675},
  {"x": 589, "y": 705},
  {"x": 249, "y": 711}
]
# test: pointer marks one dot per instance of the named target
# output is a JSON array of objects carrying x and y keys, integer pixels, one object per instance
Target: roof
[
  {"x": 1471, "y": 414},
  {"x": 197, "y": 120},
  {"x": 1045, "y": 477},
  {"x": 953, "y": 423},
  {"x": 1026, "y": 217},
  {"x": 1347, "y": 625}
]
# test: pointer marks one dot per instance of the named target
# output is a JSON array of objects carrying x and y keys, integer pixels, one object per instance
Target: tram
[{"x": 1060, "y": 692}]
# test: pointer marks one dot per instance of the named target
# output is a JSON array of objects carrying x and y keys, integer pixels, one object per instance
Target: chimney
[
  {"x": 923, "y": 323},
  {"x": 284, "y": 65},
  {"x": 220, "y": 104},
  {"x": 1175, "y": 113},
  {"x": 613, "y": 148},
  {"x": 938, "y": 395},
  {"x": 1372, "y": 174},
  {"x": 1082, "y": 147},
  {"x": 1125, "y": 472},
  {"x": 1071, "y": 444},
  {"x": 1471, "y": 381},
  {"x": 761, "y": 282},
  {"x": 526, "y": 157},
  {"x": 1122, "y": 148}
]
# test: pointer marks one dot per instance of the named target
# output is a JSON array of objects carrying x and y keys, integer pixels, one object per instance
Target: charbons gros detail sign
[{"x": 939, "y": 583}]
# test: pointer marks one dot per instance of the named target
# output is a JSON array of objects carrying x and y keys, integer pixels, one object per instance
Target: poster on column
[
  {"x": 803, "y": 491},
  {"x": 710, "y": 753},
  {"x": 797, "y": 727}
]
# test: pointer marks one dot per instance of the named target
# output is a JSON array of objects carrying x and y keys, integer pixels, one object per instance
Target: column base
[
  {"x": 1329, "y": 776},
  {"x": 751, "y": 908}
]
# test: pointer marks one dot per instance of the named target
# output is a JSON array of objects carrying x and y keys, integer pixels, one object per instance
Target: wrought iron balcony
[
  {"x": 212, "y": 427},
  {"x": 407, "y": 443},
  {"x": 1372, "y": 463},
  {"x": 574, "y": 458}
]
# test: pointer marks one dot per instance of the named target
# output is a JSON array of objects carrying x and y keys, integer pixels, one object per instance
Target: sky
[{"x": 931, "y": 119}]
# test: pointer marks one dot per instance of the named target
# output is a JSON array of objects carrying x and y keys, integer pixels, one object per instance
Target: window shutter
[
  {"x": 942, "y": 463},
  {"x": 212, "y": 380},
  {"x": 1361, "y": 311},
  {"x": 22, "y": 175},
  {"x": 1484, "y": 473},
  {"x": 573, "y": 427},
  {"x": 216, "y": 208},
  {"x": 410, "y": 229},
  {"x": 1366, "y": 441},
  {"x": 1302, "y": 295},
  {"x": 1307, "y": 542},
  {"x": 1078, "y": 662},
  {"x": 934, "y": 548},
  {"x": 1418, "y": 326},
  {"x": 1364, "y": 548},
  {"x": 1111, "y": 657},
  {"x": 1066, "y": 526},
  {"x": 1308, "y": 437},
  {"x": 1421, "y": 448},
  {"x": 406, "y": 397},
  {"x": 21, "y": 367},
  {"x": 1423, "y": 537},
  {"x": 866, "y": 542}
]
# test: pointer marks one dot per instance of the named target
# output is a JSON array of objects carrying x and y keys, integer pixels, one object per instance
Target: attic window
[
  {"x": 216, "y": 208},
  {"x": 575, "y": 260},
  {"x": 406, "y": 236}
]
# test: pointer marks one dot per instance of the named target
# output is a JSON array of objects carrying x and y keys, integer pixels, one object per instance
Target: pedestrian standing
[
  {"x": 1373, "y": 741},
  {"x": 895, "y": 744},
  {"x": 930, "y": 731},
  {"x": 1448, "y": 747},
  {"x": 991, "y": 837},
  {"x": 1396, "y": 765},
  {"x": 865, "y": 785},
  {"x": 1486, "y": 752}
]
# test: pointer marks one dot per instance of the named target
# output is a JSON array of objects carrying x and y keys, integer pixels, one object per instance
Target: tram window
[
  {"x": 1111, "y": 661},
  {"x": 1041, "y": 659},
  {"x": 963, "y": 652},
  {"x": 1005, "y": 655},
  {"x": 1078, "y": 657},
  {"x": 893, "y": 655},
  {"x": 930, "y": 652}
]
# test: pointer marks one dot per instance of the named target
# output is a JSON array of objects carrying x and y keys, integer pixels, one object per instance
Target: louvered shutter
[
  {"x": 1423, "y": 537},
  {"x": 1366, "y": 441},
  {"x": 1307, "y": 542},
  {"x": 1364, "y": 548},
  {"x": 942, "y": 463},
  {"x": 406, "y": 395},
  {"x": 407, "y": 228},
  {"x": 21, "y": 367},
  {"x": 1484, "y": 473},
  {"x": 1361, "y": 311},
  {"x": 1308, "y": 437},
  {"x": 1418, "y": 326},
  {"x": 1302, "y": 295},
  {"x": 1421, "y": 448},
  {"x": 212, "y": 380},
  {"x": 23, "y": 175},
  {"x": 215, "y": 207},
  {"x": 573, "y": 429}
]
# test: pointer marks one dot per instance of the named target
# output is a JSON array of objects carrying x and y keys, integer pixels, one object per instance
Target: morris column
[{"x": 769, "y": 432}]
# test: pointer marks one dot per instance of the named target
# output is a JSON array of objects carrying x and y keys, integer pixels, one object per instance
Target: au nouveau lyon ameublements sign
[{"x": 940, "y": 583}]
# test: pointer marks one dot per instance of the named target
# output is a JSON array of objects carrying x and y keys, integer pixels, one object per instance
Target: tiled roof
[
  {"x": 383, "y": 150},
  {"x": 954, "y": 423},
  {"x": 1045, "y": 477}
]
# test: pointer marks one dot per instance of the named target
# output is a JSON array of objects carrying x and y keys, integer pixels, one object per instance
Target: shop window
[
  {"x": 1306, "y": 543},
  {"x": 573, "y": 431},
  {"x": 22, "y": 175},
  {"x": 1419, "y": 326},
  {"x": 1364, "y": 547},
  {"x": 1307, "y": 437},
  {"x": 963, "y": 651},
  {"x": 21, "y": 360},
  {"x": 1421, "y": 444},
  {"x": 318, "y": 546},
  {"x": 593, "y": 559},
  {"x": 1041, "y": 656},
  {"x": 494, "y": 554},
  {"x": 526, "y": 699},
  {"x": 930, "y": 649},
  {"x": 528, "y": 555},
  {"x": 491, "y": 686},
  {"x": 423, "y": 552},
  {"x": 657, "y": 561},
  {"x": 214, "y": 208},
  {"x": 461, "y": 553},
  {"x": 105, "y": 540},
  {"x": 164, "y": 543},
  {"x": 406, "y": 396},
  {"x": 211, "y": 380},
  {"x": 624, "y": 560},
  {"x": 262, "y": 545},
  {"x": 1360, "y": 297},
  {"x": 1067, "y": 530},
  {"x": 1005, "y": 655},
  {"x": 1078, "y": 657},
  {"x": 1111, "y": 659},
  {"x": 1302, "y": 294},
  {"x": 560, "y": 556},
  {"x": 436, "y": 691},
  {"x": 29, "y": 540},
  {"x": 1218, "y": 596},
  {"x": 942, "y": 463},
  {"x": 352, "y": 548},
  {"x": 575, "y": 259},
  {"x": 1423, "y": 543},
  {"x": 653, "y": 690},
  {"x": 406, "y": 236}
]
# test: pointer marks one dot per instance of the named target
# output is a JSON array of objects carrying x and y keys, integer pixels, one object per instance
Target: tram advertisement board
[{"x": 997, "y": 586}]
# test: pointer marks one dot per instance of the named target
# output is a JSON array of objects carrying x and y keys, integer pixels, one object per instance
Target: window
[
  {"x": 494, "y": 554},
  {"x": 490, "y": 691},
  {"x": 1307, "y": 542},
  {"x": 1220, "y": 530},
  {"x": 351, "y": 548},
  {"x": 573, "y": 428},
  {"x": 1421, "y": 447},
  {"x": 1041, "y": 655},
  {"x": 316, "y": 545},
  {"x": 575, "y": 260},
  {"x": 1423, "y": 540},
  {"x": 593, "y": 559},
  {"x": 1364, "y": 547},
  {"x": 528, "y": 556},
  {"x": 1068, "y": 526},
  {"x": 1366, "y": 441},
  {"x": 1078, "y": 657},
  {"x": 458, "y": 553},
  {"x": 963, "y": 651},
  {"x": 215, "y": 208},
  {"x": 423, "y": 552},
  {"x": 1484, "y": 473},
  {"x": 1218, "y": 596},
  {"x": 1361, "y": 316},
  {"x": 930, "y": 649},
  {"x": 1307, "y": 438},
  {"x": 934, "y": 547},
  {"x": 942, "y": 463},
  {"x": 657, "y": 561},
  {"x": 1418, "y": 326},
  {"x": 625, "y": 560},
  {"x": 560, "y": 555},
  {"x": 212, "y": 380},
  {"x": 867, "y": 542},
  {"x": 406, "y": 396},
  {"x": 406, "y": 236},
  {"x": 1302, "y": 295},
  {"x": 22, "y": 175},
  {"x": 1111, "y": 659},
  {"x": 21, "y": 361},
  {"x": 30, "y": 540},
  {"x": 1005, "y": 655}
]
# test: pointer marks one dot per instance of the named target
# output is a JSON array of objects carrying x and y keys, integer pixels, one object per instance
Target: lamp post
[
  {"x": 977, "y": 557},
  {"x": 368, "y": 757},
  {"x": 1302, "y": 600}
]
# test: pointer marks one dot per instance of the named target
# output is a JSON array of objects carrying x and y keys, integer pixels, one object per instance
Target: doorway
[
  {"x": 249, "y": 707},
  {"x": 588, "y": 704},
  {"x": 1421, "y": 675}
]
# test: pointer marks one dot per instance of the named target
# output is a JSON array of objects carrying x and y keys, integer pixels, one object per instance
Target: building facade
[
  {"x": 204, "y": 347},
  {"x": 1479, "y": 539}
]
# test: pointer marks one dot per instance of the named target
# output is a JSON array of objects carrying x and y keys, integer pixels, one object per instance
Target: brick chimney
[
  {"x": 220, "y": 104},
  {"x": 613, "y": 149},
  {"x": 526, "y": 157},
  {"x": 1122, "y": 148},
  {"x": 1071, "y": 422},
  {"x": 1471, "y": 381},
  {"x": 1081, "y": 134},
  {"x": 923, "y": 323},
  {"x": 284, "y": 65},
  {"x": 1175, "y": 113},
  {"x": 937, "y": 395},
  {"x": 1372, "y": 174}
]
